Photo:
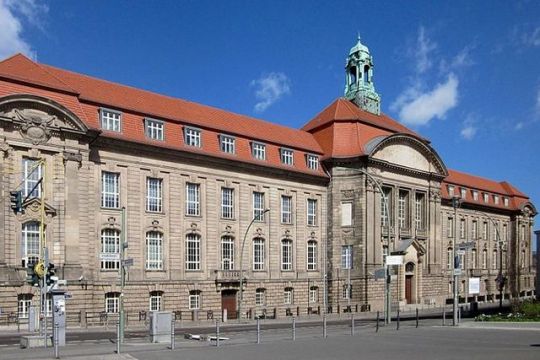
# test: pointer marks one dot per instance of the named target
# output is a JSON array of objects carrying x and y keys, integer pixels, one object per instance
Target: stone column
[{"x": 5, "y": 149}]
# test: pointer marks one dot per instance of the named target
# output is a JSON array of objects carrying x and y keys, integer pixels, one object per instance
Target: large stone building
[{"x": 207, "y": 192}]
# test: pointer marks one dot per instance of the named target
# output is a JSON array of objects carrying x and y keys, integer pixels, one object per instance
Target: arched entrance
[{"x": 409, "y": 283}]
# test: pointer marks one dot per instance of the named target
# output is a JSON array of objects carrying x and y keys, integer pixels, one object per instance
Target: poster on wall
[{"x": 474, "y": 285}]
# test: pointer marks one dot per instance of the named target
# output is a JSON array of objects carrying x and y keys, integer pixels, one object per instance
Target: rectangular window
[
  {"x": 260, "y": 297},
  {"x": 288, "y": 296},
  {"x": 385, "y": 205},
  {"x": 463, "y": 193},
  {"x": 227, "y": 144},
  {"x": 154, "y": 251},
  {"x": 258, "y": 254},
  {"x": 286, "y": 157},
  {"x": 312, "y": 255},
  {"x": 25, "y": 302},
  {"x": 462, "y": 228},
  {"x": 346, "y": 291},
  {"x": 450, "y": 227},
  {"x": 111, "y": 302},
  {"x": 312, "y": 162},
  {"x": 475, "y": 229},
  {"x": 473, "y": 259},
  {"x": 484, "y": 259},
  {"x": 193, "y": 199},
  {"x": 450, "y": 190},
  {"x": 259, "y": 151},
  {"x": 346, "y": 214},
  {"x": 110, "y": 249},
  {"x": 110, "y": 190},
  {"x": 154, "y": 129},
  {"x": 475, "y": 195},
  {"x": 419, "y": 205},
  {"x": 192, "y": 137},
  {"x": 286, "y": 209},
  {"x": 486, "y": 198},
  {"x": 313, "y": 295},
  {"x": 312, "y": 212},
  {"x": 449, "y": 258},
  {"x": 258, "y": 206},
  {"x": 193, "y": 252},
  {"x": 227, "y": 253},
  {"x": 505, "y": 233},
  {"x": 194, "y": 300},
  {"x": 31, "y": 176},
  {"x": 485, "y": 230},
  {"x": 403, "y": 209},
  {"x": 111, "y": 120},
  {"x": 227, "y": 203},
  {"x": 286, "y": 255},
  {"x": 496, "y": 199},
  {"x": 30, "y": 243},
  {"x": 494, "y": 260},
  {"x": 346, "y": 257},
  {"x": 155, "y": 302},
  {"x": 154, "y": 194},
  {"x": 505, "y": 200}
]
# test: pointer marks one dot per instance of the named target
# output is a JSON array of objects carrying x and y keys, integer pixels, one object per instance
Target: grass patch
[{"x": 528, "y": 310}]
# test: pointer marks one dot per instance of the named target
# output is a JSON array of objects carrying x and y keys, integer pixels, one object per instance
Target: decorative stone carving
[
  {"x": 70, "y": 156},
  {"x": 348, "y": 193},
  {"x": 5, "y": 148},
  {"x": 435, "y": 195}
]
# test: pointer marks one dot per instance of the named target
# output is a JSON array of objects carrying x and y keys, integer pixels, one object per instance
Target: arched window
[
  {"x": 286, "y": 254},
  {"x": 484, "y": 259},
  {"x": 193, "y": 252},
  {"x": 523, "y": 259},
  {"x": 227, "y": 253},
  {"x": 494, "y": 260},
  {"x": 110, "y": 249},
  {"x": 156, "y": 301},
  {"x": 258, "y": 253},
  {"x": 154, "y": 250},
  {"x": 409, "y": 267},
  {"x": 473, "y": 259},
  {"x": 30, "y": 243},
  {"x": 366, "y": 75},
  {"x": 449, "y": 258},
  {"x": 312, "y": 255},
  {"x": 313, "y": 294},
  {"x": 112, "y": 302},
  {"x": 194, "y": 299},
  {"x": 347, "y": 290},
  {"x": 352, "y": 75},
  {"x": 24, "y": 304}
]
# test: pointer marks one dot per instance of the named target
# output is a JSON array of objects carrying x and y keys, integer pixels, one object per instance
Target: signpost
[{"x": 394, "y": 260}]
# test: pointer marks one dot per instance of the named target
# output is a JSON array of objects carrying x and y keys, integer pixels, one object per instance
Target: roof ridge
[
  {"x": 42, "y": 67},
  {"x": 13, "y": 56}
]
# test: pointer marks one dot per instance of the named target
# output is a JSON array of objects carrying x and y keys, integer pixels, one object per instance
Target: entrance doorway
[
  {"x": 408, "y": 288},
  {"x": 228, "y": 302}
]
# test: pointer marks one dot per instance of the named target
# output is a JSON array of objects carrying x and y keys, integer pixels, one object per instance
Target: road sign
[
  {"x": 460, "y": 252},
  {"x": 379, "y": 274},
  {"x": 128, "y": 262},
  {"x": 109, "y": 257},
  {"x": 466, "y": 245},
  {"x": 474, "y": 285},
  {"x": 457, "y": 271},
  {"x": 394, "y": 260}
]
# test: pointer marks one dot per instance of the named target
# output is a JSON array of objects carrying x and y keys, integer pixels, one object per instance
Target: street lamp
[
  {"x": 456, "y": 202},
  {"x": 256, "y": 217}
]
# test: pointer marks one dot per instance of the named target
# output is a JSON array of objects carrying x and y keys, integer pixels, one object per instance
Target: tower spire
[{"x": 359, "y": 86}]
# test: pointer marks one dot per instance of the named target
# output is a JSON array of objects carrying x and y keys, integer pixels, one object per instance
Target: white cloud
[
  {"x": 423, "y": 51},
  {"x": 519, "y": 125},
  {"x": 468, "y": 132},
  {"x": 269, "y": 88},
  {"x": 532, "y": 38},
  {"x": 461, "y": 60},
  {"x": 12, "y": 14},
  {"x": 418, "y": 108},
  {"x": 538, "y": 101}
]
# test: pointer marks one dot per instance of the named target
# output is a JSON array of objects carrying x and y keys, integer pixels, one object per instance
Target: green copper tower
[{"x": 359, "y": 79}]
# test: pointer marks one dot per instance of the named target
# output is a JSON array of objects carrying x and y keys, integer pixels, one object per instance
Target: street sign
[
  {"x": 128, "y": 262},
  {"x": 474, "y": 285},
  {"x": 379, "y": 274},
  {"x": 394, "y": 260},
  {"x": 457, "y": 271},
  {"x": 460, "y": 252},
  {"x": 109, "y": 257},
  {"x": 466, "y": 245}
]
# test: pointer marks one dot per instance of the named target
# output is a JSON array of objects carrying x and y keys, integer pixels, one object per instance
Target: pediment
[{"x": 38, "y": 118}]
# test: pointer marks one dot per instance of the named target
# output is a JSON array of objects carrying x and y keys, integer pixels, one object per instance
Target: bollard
[
  {"x": 217, "y": 332},
  {"x": 118, "y": 337},
  {"x": 258, "y": 331},
  {"x": 55, "y": 334},
  {"x": 293, "y": 329},
  {"x": 417, "y": 318},
  {"x": 352, "y": 325},
  {"x": 324, "y": 326},
  {"x": 397, "y": 325},
  {"x": 172, "y": 334},
  {"x": 459, "y": 315},
  {"x": 377, "y": 326},
  {"x": 444, "y": 317},
  {"x": 18, "y": 324}
]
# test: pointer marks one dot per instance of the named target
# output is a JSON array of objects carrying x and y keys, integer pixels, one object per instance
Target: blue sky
[{"x": 464, "y": 74}]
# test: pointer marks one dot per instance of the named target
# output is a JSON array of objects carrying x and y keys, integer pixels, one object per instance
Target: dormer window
[
  {"x": 227, "y": 144},
  {"x": 463, "y": 193},
  {"x": 192, "y": 137},
  {"x": 110, "y": 120},
  {"x": 153, "y": 129},
  {"x": 475, "y": 195},
  {"x": 312, "y": 161},
  {"x": 450, "y": 190},
  {"x": 286, "y": 156},
  {"x": 496, "y": 199},
  {"x": 258, "y": 150},
  {"x": 505, "y": 200},
  {"x": 486, "y": 198}
]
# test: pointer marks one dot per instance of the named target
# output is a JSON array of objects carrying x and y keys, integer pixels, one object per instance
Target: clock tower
[{"x": 359, "y": 79}]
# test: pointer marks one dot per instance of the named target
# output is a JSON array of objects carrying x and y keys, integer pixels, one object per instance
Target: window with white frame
[
  {"x": 385, "y": 205},
  {"x": 475, "y": 195},
  {"x": 463, "y": 193},
  {"x": 403, "y": 210},
  {"x": 193, "y": 252},
  {"x": 523, "y": 260},
  {"x": 485, "y": 230},
  {"x": 258, "y": 206},
  {"x": 462, "y": 228},
  {"x": 288, "y": 296},
  {"x": 227, "y": 203},
  {"x": 450, "y": 190},
  {"x": 419, "y": 210},
  {"x": 24, "y": 304},
  {"x": 154, "y": 250},
  {"x": 496, "y": 199},
  {"x": 194, "y": 299},
  {"x": 32, "y": 172},
  {"x": 503, "y": 265},
  {"x": 473, "y": 259},
  {"x": 110, "y": 190},
  {"x": 192, "y": 137},
  {"x": 312, "y": 162},
  {"x": 484, "y": 259},
  {"x": 286, "y": 156},
  {"x": 286, "y": 209},
  {"x": 486, "y": 198},
  {"x": 346, "y": 257},
  {"x": 112, "y": 301},
  {"x": 259, "y": 150},
  {"x": 227, "y": 253},
  {"x": 449, "y": 258},
  {"x": 450, "y": 227},
  {"x": 227, "y": 144},
  {"x": 259, "y": 253},
  {"x": 346, "y": 291},
  {"x": 155, "y": 302},
  {"x": 505, "y": 233},
  {"x": 286, "y": 254},
  {"x": 154, "y": 194},
  {"x": 30, "y": 243},
  {"x": 154, "y": 129},
  {"x": 475, "y": 229},
  {"x": 313, "y": 294},
  {"x": 111, "y": 120},
  {"x": 505, "y": 201},
  {"x": 110, "y": 249},
  {"x": 494, "y": 260},
  {"x": 193, "y": 199},
  {"x": 260, "y": 297},
  {"x": 461, "y": 261},
  {"x": 312, "y": 255},
  {"x": 312, "y": 212}
]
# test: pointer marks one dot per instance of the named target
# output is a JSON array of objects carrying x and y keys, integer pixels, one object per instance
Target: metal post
[
  {"x": 377, "y": 326},
  {"x": 217, "y": 332},
  {"x": 397, "y": 325},
  {"x": 56, "y": 353},
  {"x": 293, "y": 329},
  {"x": 352, "y": 325},
  {"x": 122, "y": 273},
  {"x": 444, "y": 316},
  {"x": 416, "y": 317},
  {"x": 455, "y": 204},
  {"x": 172, "y": 334},
  {"x": 459, "y": 314},
  {"x": 258, "y": 331},
  {"x": 118, "y": 337},
  {"x": 324, "y": 326}
]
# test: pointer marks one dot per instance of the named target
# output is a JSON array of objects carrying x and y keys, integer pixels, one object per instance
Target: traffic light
[
  {"x": 31, "y": 277},
  {"x": 51, "y": 271},
  {"x": 15, "y": 198}
]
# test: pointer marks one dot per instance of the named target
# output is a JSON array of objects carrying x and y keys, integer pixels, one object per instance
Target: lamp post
[
  {"x": 456, "y": 201},
  {"x": 256, "y": 217}
]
